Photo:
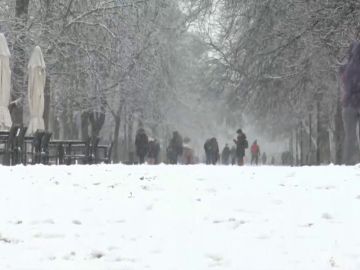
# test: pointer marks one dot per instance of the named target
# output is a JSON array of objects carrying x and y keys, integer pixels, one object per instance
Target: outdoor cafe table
[
  {"x": 65, "y": 147},
  {"x": 4, "y": 135}
]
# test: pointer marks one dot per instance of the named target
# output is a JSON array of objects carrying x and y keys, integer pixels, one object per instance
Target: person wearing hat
[{"x": 241, "y": 144}]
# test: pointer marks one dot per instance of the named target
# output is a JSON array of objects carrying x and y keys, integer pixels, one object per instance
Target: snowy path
[{"x": 187, "y": 218}]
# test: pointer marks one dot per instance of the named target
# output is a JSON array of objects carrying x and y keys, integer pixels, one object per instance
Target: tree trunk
[
  {"x": 116, "y": 139},
  {"x": 339, "y": 134},
  {"x": 301, "y": 146},
  {"x": 125, "y": 152},
  {"x": 84, "y": 125},
  {"x": 318, "y": 133},
  {"x": 18, "y": 78},
  {"x": 97, "y": 120},
  {"x": 47, "y": 103},
  {"x": 130, "y": 141}
]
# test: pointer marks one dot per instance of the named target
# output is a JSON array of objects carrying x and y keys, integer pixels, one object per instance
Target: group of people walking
[
  {"x": 149, "y": 149},
  {"x": 180, "y": 151},
  {"x": 146, "y": 148},
  {"x": 350, "y": 100},
  {"x": 235, "y": 154}
]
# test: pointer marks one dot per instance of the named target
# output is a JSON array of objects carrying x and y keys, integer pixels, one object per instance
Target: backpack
[{"x": 246, "y": 143}]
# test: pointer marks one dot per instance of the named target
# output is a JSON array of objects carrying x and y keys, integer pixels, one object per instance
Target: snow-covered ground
[{"x": 179, "y": 217}]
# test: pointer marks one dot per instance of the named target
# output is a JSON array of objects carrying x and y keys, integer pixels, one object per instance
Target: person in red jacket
[{"x": 255, "y": 152}]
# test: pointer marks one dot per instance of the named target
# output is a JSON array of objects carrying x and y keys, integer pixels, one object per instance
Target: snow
[{"x": 118, "y": 217}]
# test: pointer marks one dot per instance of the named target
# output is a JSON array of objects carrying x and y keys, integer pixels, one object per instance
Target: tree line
[
  {"x": 111, "y": 66},
  {"x": 278, "y": 61}
]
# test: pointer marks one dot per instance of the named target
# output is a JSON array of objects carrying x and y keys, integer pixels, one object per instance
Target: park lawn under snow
[{"x": 117, "y": 217}]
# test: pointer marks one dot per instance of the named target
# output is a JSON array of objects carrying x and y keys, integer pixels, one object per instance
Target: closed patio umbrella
[
  {"x": 5, "y": 79},
  {"x": 36, "y": 85}
]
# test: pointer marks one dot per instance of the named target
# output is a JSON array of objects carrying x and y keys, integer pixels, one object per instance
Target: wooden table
[{"x": 64, "y": 150}]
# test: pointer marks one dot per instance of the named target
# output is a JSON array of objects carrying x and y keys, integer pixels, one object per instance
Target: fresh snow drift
[{"x": 179, "y": 217}]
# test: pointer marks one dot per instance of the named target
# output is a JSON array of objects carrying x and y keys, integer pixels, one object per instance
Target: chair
[
  {"x": 44, "y": 148},
  {"x": 36, "y": 146},
  {"x": 19, "y": 148},
  {"x": 94, "y": 150},
  {"x": 107, "y": 152},
  {"x": 9, "y": 145},
  {"x": 77, "y": 153}
]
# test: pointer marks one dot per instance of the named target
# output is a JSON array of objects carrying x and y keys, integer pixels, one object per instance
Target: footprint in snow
[
  {"x": 307, "y": 225},
  {"x": 290, "y": 175},
  {"x": 76, "y": 222},
  {"x": 120, "y": 221},
  {"x": 48, "y": 221},
  {"x": 214, "y": 257},
  {"x": 69, "y": 256},
  {"x": 333, "y": 263},
  {"x": 49, "y": 236},
  {"x": 16, "y": 222},
  {"x": 215, "y": 260},
  {"x": 144, "y": 187},
  {"x": 218, "y": 221},
  {"x": 238, "y": 224},
  {"x": 277, "y": 202},
  {"x": 7, "y": 240},
  {"x": 45, "y": 221},
  {"x": 326, "y": 216},
  {"x": 326, "y": 187},
  {"x": 123, "y": 259},
  {"x": 263, "y": 237},
  {"x": 97, "y": 254}
]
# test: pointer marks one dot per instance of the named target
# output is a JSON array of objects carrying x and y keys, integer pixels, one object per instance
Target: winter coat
[
  {"x": 241, "y": 144},
  {"x": 176, "y": 144},
  {"x": 188, "y": 155},
  {"x": 255, "y": 149},
  {"x": 141, "y": 143},
  {"x": 211, "y": 148},
  {"x": 154, "y": 149},
  {"x": 225, "y": 155}
]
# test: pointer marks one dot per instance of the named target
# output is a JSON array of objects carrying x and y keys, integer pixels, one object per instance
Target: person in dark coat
[
  {"x": 215, "y": 153},
  {"x": 350, "y": 99},
  {"x": 286, "y": 158},
  {"x": 153, "y": 153},
  {"x": 272, "y": 162},
  {"x": 225, "y": 155},
  {"x": 263, "y": 158},
  {"x": 207, "y": 149},
  {"x": 233, "y": 155},
  {"x": 241, "y": 144},
  {"x": 141, "y": 144},
  {"x": 175, "y": 148},
  {"x": 211, "y": 148}
]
